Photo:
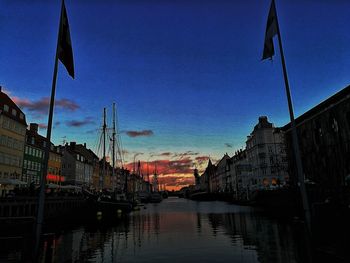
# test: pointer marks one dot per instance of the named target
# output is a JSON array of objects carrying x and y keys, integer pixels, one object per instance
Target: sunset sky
[{"x": 186, "y": 75}]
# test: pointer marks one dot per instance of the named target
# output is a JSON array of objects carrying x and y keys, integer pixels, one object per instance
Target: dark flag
[
  {"x": 64, "y": 46},
  {"x": 271, "y": 31}
]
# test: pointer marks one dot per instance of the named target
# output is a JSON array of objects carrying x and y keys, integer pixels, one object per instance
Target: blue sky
[{"x": 189, "y": 71}]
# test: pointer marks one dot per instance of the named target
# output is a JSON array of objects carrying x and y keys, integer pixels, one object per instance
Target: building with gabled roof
[
  {"x": 33, "y": 160},
  {"x": 12, "y": 136}
]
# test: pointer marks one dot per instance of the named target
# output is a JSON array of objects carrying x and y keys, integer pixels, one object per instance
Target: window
[
  {"x": 270, "y": 149},
  {"x": 9, "y": 142},
  {"x": 3, "y": 140},
  {"x": 14, "y": 112},
  {"x": 21, "y": 116},
  {"x": 6, "y": 108}
]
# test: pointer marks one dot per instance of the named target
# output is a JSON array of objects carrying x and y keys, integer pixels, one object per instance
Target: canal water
[{"x": 178, "y": 230}]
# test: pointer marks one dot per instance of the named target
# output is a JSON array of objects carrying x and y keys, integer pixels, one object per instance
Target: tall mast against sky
[
  {"x": 104, "y": 128},
  {"x": 113, "y": 149}
]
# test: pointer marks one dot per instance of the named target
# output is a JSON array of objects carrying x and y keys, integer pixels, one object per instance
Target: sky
[{"x": 186, "y": 75}]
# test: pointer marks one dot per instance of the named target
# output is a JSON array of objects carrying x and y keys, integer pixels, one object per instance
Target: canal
[{"x": 176, "y": 230}]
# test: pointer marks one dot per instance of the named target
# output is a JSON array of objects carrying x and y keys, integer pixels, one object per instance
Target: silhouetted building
[
  {"x": 324, "y": 140},
  {"x": 240, "y": 174},
  {"x": 221, "y": 177},
  {"x": 76, "y": 166}
]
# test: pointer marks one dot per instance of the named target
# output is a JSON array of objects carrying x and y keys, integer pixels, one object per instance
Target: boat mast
[
  {"x": 113, "y": 149},
  {"x": 155, "y": 180},
  {"x": 104, "y": 145}
]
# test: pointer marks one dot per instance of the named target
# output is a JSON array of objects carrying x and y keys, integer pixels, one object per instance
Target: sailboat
[{"x": 108, "y": 202}]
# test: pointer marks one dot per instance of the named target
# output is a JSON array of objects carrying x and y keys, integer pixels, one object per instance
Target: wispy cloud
[
  {"x": 91, "y": 131},
  {"x": 139, "y": 133},
  {"x": 80, "y": 123},
  {"x": 186, "y": 154},
  {"x": 42, "y": 105},
  {"x": 229, "y": 145},
  {"x": 160, "y": 154}
]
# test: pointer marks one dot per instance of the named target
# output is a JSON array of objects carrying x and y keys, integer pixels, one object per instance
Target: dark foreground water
[{"x": 176, "y": 230}]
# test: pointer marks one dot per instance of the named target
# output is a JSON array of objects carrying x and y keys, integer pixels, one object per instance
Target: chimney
[
  {"x": 0, "y": 88},
  {"x": 85, "y": 144},
  {"x": 263, "y": 119},
  {"x": 34, "y": 127},
  {"x": 72, "y": 145}
]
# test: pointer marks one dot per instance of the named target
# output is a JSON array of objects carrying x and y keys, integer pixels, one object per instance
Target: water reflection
[{"x": 179, "y": 230}]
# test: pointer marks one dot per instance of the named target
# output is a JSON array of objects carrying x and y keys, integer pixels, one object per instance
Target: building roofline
[{"x": 335, "y": 99}]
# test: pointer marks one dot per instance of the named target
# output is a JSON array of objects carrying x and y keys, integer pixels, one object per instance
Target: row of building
[
  {"x": 262, "y": 164},
  {"x": 267, "y": 161},
  {"x": 22, "y": 157}
]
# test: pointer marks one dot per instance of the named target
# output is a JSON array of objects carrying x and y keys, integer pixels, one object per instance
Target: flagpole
[
  {"x": 40, "y": 214},
  {"x": 298, "y": 161}
]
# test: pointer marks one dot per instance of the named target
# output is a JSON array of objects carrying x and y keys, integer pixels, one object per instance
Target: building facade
[
  {"x": 12, "y": 137},
  {"x": 72, "y": 165},
  {"x": 221, "y": 182},
  {"x": 33, "y": 156},
  {"x": 240, "y": 173},
  {"x": 324, "y": 141},
  {"x": 266, "y": 153},
  {"x": 54, "y": 173}
]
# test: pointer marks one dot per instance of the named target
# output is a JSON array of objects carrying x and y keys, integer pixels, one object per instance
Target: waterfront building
[
  {"x": 106, "y": 177},
  {"x": 33, "y": 159},
  {"x": 266, "y": 153},
  {"x": 221, "y": 181},
  {"x": 324, "y": 141},
  {"x": 89, "y": 162},
  {"x": 12, "y": 137},
  {"x": 73, "y": 165},
  {"x": 121, "y": 176},
  {"x": 54, "y": 173},
  {"x": 240, "y": 174},
  {"x": 207, "y": 177},
  {"x": 95, "y": 170}
]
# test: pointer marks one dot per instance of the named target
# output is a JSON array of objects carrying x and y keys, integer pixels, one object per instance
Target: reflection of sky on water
[{"x": 179, "y": 230}]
